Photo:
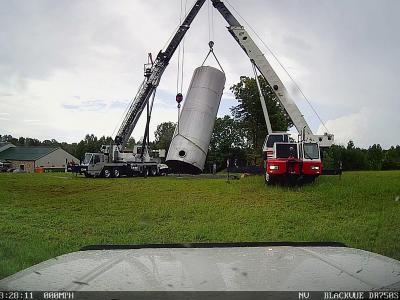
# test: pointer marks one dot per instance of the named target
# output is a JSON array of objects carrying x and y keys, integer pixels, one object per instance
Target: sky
[{"x": 68, "y": 68}]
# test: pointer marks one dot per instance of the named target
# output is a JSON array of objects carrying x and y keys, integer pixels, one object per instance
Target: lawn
[{"x": 45, "y": 215}]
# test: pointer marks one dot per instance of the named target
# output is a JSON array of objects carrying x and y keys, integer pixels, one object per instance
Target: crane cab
[{"x": 270, "y": 140}]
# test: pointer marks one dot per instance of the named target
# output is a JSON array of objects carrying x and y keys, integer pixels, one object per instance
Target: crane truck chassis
[{"x": 114, "y": 164}]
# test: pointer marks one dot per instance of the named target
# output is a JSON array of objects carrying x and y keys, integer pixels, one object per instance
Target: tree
[
  {"x": 21, "y": 141},
  {"x": 131, "y": 143},
  {"x": 250, "y": 114},
  {"x": 391, "y": 159},
  {"x": 32, "y": 142},
  {"x": 8, "y": 138},
  {"x": 375, "y": 157},
  {"x": 80, "y": 150},
  {"x": 163, "y": 135},
  {"x": 350, "y": 145},
  {"x": 227, "y": 141}
]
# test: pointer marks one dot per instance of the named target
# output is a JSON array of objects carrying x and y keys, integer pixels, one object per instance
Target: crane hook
[{"x": 211, "y": 45}]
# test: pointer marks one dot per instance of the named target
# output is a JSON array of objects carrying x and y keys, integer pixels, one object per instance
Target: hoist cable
[
  {"x": 179, "y": 70},
  {"x": 183, "y": 53},
  {"x": 212, "y": 24},
  {"x": 208, "y": 18},
  {"x": 179, "y": 52},
  {"x": 276, "y": 58}
]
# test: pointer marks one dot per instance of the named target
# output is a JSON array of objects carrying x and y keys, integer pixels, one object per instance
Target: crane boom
[
  {"x": 149, "y": 84},
  {"x": 257, "y": 57}
]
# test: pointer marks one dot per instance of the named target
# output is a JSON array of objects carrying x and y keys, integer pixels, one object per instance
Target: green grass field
[{"x": 45, "y": 215}]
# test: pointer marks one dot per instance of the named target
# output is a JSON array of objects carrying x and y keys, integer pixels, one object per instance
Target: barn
[{"x": 29, "y": 158}]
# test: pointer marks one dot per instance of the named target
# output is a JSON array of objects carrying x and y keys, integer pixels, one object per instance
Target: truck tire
[
  {"x": 107, "y": 173},
  {"x": 154, "y": 171},
  {"x": 116, "y": 172},
  {"x": 269, "y": 179},
  {"x": 145, "y": 172},
  {"x": 308, "y": 179},
  {"x": 87, "y": 175}
]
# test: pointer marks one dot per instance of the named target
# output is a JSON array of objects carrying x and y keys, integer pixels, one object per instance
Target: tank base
[{"x": 182, "y": 167}]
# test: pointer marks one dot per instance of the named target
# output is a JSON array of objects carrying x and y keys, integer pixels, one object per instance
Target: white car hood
[{"x": 264, "y": 268}]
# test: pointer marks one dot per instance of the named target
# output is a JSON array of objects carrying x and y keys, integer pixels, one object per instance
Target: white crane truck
[{"x": 112, "y": 161}]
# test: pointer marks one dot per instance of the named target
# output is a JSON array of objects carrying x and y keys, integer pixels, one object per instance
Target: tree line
[{"x": 240, "y": 137}]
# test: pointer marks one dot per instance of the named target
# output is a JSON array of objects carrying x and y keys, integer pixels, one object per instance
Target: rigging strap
[{"x": 211, "y": 51}]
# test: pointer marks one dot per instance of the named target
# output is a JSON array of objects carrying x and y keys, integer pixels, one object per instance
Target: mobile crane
[
  {"x": 112, "y": 161},
  {"x": 283, "y": 157}
]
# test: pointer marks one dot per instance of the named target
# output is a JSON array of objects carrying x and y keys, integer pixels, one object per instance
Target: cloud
[
  {"x": 89, "y": 105},
  {"x": 365, "y": 128},
  {"x": 30, "y": 121},
  {"x": 70, "y": 106},
  {"x": 118, "y": 104},
  {"x": 74, "y": 65}
]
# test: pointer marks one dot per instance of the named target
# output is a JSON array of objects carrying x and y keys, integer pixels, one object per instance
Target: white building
[{"x": 29, "y": 158}]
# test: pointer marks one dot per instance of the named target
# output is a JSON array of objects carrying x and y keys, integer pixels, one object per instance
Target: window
[
  {"x": 96, "y": 159},
  {"x": 22, "y": 167},
  {"x": 311, "y": 151},
  {"x": 87, "y": 158},
  {"x": 284, "y": 150},
  {"x": 276, "y": 138}
]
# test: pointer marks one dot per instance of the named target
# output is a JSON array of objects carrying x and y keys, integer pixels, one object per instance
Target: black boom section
[
  {"x": 224, "y": 11},
  {"x": 150, "y": 84}
]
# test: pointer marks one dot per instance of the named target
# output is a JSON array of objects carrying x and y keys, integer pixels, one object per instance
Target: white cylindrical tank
[{"x": 188, "y": 150}]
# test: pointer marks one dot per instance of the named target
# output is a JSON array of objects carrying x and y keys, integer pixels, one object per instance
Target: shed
[{"x": 29, "y": 158}]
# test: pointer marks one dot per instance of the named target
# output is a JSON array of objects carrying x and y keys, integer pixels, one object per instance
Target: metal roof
[
  {"x": 26, "y": 153},
  {"x": 2, "y": 144}
]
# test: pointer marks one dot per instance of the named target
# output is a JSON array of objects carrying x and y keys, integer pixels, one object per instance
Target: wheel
[
  {"x": 87, "y": 175},
  {"x": 269, "y": 179},
  {"x": 107, "y": 173},
  {"x": 154, "y": 171},
  {"x": 145, "y": 172},
  {"x": 309, "y": 179},
  {"x": 116, "y": 173}
]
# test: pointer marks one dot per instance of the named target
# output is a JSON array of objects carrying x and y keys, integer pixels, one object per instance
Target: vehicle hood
[{"x": 264, "y": 268}]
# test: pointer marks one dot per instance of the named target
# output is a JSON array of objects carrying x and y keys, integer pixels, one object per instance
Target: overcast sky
[{"x": 68, "y": 68}]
